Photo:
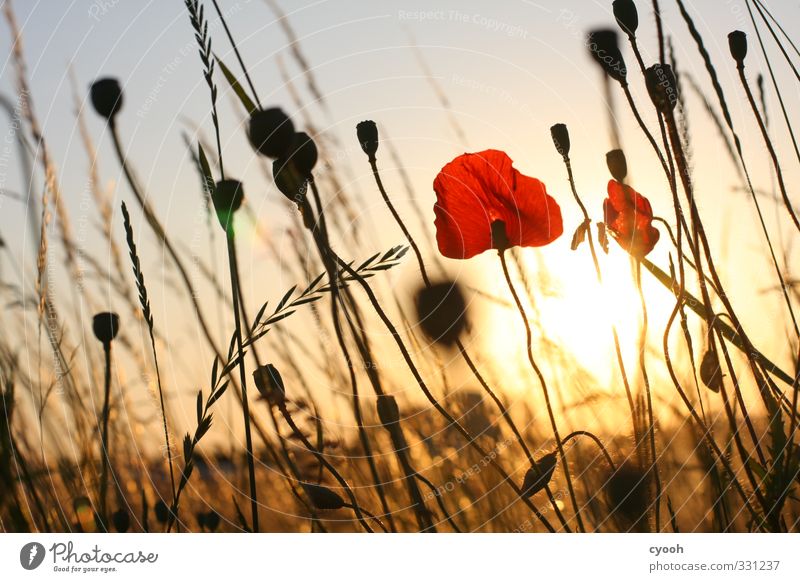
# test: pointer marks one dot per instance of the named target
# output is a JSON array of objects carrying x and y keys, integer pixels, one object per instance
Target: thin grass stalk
[
  {"x": 148, "y": 317},
  {"x": 774, "y": 157}
]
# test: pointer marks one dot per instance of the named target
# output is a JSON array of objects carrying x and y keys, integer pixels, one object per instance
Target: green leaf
[{"x": 237, "y": 87}]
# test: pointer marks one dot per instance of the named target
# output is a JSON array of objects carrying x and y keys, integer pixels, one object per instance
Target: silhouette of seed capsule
[
  {"x": 710, "y": 372},
  {"x": 106, "y": 97},
  {"x": 323, "y": 498},
  {"x": 500, "y": 240},
  {"x": 617, "y": 165},
  {"x": 269, "y": 384},
  {"x": 105, "y": 326},
  {"x": 302, "y": 153},
  {"x": 367, "y": 133},
  {"x": 227, "y": 197},
  {"x": 212, "y": 520},
  {"x": 536, "y": 480},
  {"x": 442, "y": 312},
  {"x": 388, "y": 412},
  {"x": 662, "y": 87},
  {"x": 162, "y": 511},
  {"x": 737, "y": 42},
  {"x": 560, "y": 135},
  {"x": 271, "y": 132},
  {"x": 604, "y": 48},
  {"x": 289, "y": 181},
  {"x": 627, "y": 16},
  {"x": 628, "y": 498},
  {"x": 121, "y": 521}
]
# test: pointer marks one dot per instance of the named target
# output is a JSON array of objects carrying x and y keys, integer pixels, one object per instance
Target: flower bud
[
  {"x": 227, "y": 197},
  {"x": 321, "y": 497},
  {"x": 617, "y": 165},
  {"x": 662, "y": 87},
  {"x": 367, "y": 133},
  {"x": 560, "y": 135},
  {"x": 737, "y": 42},
  {"x": 500, "y": 240},
  {"x": 106, "y": 97},
  {"x": 302, "y": 154},
  {"x": 388, "y": 411},
  {"x": 627, "y": 16},
  {"x": 710, "y": 372},
  {"x": 604, "y": 48},
  {"x": 105, "y": 327},
  {"x": 270, "y": 384},
  {"x": 271, "y": 132},
  {"x": 538, "y": 477}
]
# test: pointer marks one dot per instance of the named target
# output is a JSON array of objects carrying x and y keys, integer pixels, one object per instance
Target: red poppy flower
[
  {"x": 475, "y": 190},
  {"x": 629, "y": 217}
]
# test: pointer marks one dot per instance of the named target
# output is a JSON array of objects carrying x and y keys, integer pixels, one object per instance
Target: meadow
[{"x": 454, "y": 380}]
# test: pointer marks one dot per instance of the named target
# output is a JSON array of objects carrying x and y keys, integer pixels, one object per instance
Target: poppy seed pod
[
  {"x": 442, "y": 312},
  {"x": 106, "y": 97},
  {"x": 710, "y": 372},
  {"x": 604, "y": 48},
  {"x": 737, "y": 42},
  {"x": 289, "y": 181},
  {"x": 627, "y": 493},
  {"x": 270, "y": 384},
  {"x": 560, "y": 135},
  {"x": 662, "y": 87},
  {"x": 617, "y": 165},
  {"x": 227, "y": 197},
  {"x": 302, "y": 154},
  {"x": 388, "y": 412},
  {"x": 367, "y": 133},
  {"x": 536, "y": 480},
  {"x": 321, "y": 497},
  {"x": 627, "y": 16},
  {"x": 500, "y": 240},
  {"x": 105, "y": 327},
  {"x": 121, "y": 521},
  {"x": 161, "y": 511},
  {"x": 271, "y": 132}
]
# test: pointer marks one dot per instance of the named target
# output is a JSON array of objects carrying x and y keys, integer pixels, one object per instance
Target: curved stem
[
  {"x": 597, "y": 441},
  {"x": 504, "y": 412},
  {"x": 336, "y": 475},
  {"x": 543, "y": 383}
]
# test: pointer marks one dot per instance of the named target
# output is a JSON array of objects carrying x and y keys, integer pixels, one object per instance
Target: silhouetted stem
[
  {"x": 104, "y": 436},
  {"x": 543, "y": 383},
  {"x": 336, "y": 475},
  {"x": 251, "y": 469},
  {"x": 460, "y": 345}
]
